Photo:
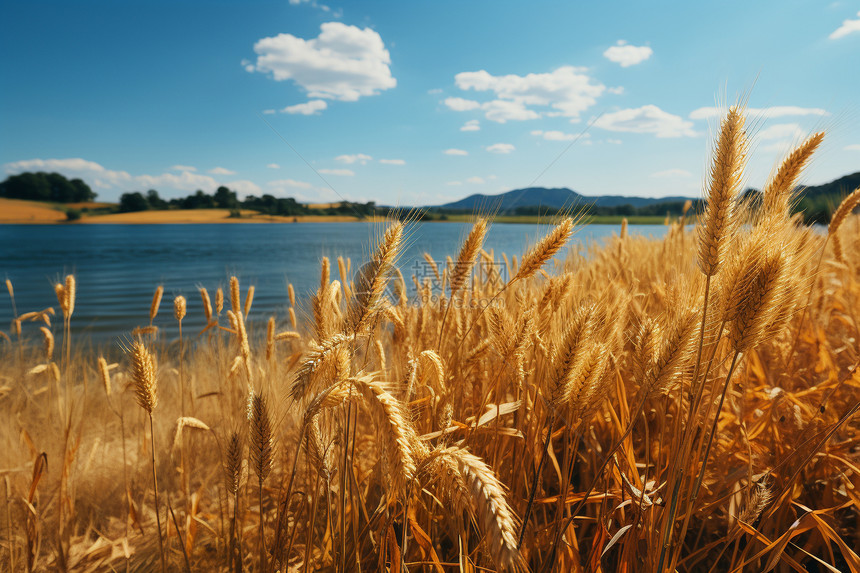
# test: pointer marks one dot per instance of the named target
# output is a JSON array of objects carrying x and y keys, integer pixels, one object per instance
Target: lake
[{"x": 118, "y": 267}]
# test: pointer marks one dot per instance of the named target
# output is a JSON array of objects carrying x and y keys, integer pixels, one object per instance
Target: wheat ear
[
  {"x": 544, "y": 250},
  {"x": 845, "y": 208},
  {"x": 156, "y": 302},
  {"x": 146, "y": 392},
  {"x": 778, "y": 191},
  {"x": 373, "y": 278},
  {"x": 724, "y": 184}
]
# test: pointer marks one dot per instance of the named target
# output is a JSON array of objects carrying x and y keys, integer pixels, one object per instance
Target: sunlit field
[{"x": 683, "y": 404}]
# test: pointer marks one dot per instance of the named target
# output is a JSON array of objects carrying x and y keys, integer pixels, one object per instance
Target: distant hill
[
  {"x": 818, "y": 202},
  {"x": 555, "y": 198},
  {"x": 837, "y": 188}
]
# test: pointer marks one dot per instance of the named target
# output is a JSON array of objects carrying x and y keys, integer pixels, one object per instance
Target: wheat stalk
[{"x": 845, "y": 208}]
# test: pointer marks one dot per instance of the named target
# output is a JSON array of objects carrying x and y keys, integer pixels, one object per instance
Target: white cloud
[
  {"x": 671, "y": 173},
  {"x": 558, "y": 135},
  {"x": 273, "y": 166},
  {"x": 614, "y": 141},
  {"x": 313, "y": 4},
  {"x": 646, "y": 119},
  {"x": 460, "y": 104},
  {"x": 765, "y": 113},
  {"x": 500, "y": 148},
  {"x": 312, "y": 107},
  {"x": 392, "y": 162},
  {"x": 567, "y": 90},
  {"x": 75, "y": 164},
  {"x": 342, "y": 63},
  {"x": 627, "y": 55},
  {"x": 455, "y": 152},
  {"x": 221, "y": 171},
  {"x": 434, "y": 91},
  {"x": 784, "y": 131},
  {"x": 454, "y": 183},
  {"x": 852, "y": 147},
  {"x": 475, "y": 180},
  {"x": 343, "y": 172},
  {"x": 471, "y": 125},
  {"x": 359, "y": 158},
  {"x": 618, "y": 90},
  {"x": 847, "y": 27},
  {"x": 244, "y": 188},
  {"x": 269, "y": 111},
  {"x": 501, "y": 111},
  {"x": 110, "y": 183},
  {"x": 289, "y": 183}
]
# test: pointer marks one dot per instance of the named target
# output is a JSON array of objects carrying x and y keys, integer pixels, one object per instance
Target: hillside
[{"x": 555, "y": 198}]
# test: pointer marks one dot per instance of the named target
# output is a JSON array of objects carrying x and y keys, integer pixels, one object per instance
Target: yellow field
[
  {"x": 16, "y": 211},
  {"x": 688, "y": 404}
]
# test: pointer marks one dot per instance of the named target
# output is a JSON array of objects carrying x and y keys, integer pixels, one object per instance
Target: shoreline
[{"x": 17, "y": 212}]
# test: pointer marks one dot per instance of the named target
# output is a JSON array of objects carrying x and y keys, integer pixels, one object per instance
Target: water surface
[{"x": 117, "y": 267}]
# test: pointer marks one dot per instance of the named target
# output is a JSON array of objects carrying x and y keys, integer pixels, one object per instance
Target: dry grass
[
  {"x": 592, "y": 414},
  {"x": 16, "y": 211}
]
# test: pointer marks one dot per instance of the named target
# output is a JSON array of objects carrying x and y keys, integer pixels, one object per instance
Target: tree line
[
  {"x": 224, "y": 198},
  {"x": 47, "y": 187}
]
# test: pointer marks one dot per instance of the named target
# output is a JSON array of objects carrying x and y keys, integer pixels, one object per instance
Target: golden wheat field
[{"x": 684, "y": 404}]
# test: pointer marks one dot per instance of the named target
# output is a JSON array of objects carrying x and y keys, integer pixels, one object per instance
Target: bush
[{"x": 73, "y": 214}]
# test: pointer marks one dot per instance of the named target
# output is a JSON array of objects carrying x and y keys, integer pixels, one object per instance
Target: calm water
[{"x": 118, "y": 267}]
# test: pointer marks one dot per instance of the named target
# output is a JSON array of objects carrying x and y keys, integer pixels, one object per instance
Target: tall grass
[{"x": 684, "y": 404}]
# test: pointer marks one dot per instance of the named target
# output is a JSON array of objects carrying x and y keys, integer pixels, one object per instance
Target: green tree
[
  {"x": 225, "y": 199},
  {"x": 130, "y": 202}
]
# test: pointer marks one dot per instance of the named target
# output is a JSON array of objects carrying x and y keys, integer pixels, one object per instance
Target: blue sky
[{"x": 419, "y": 103}]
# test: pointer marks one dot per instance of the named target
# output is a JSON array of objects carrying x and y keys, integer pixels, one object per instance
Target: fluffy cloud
[
  {"x": 460, "y": 104},
  {"x": 627, "y": 55},
  {"x": 852, "y": 147},
  {"x": 273, "y": 166},
  {"x": 243, "y": 188},
  {"x": 566, "y": 91},
  {"x": 111, "y": 183},
  {"x": 671, "y": 173},
  {"x": 503, "y": 148},
  {"x": 847, "y": 27},
  {"x": 475, "y": 180},
  {"x": 342, "y": 63},
  {"x": 616, "y": 90},
  {"x": 359, "y": 158},
  {"x": 312, "y": 107},
  {"x": 781, "y": 136},
  {"x": 455, "y": 152},
  {"x": 392, "y": 162},
  {"x": 765, "y": 113},
  {"x": 502, "y": 111},
  {"x": 221, "y": 171},
  {"x": 785, "y": 131},
  {"x": 558, "y": 135},
  {"x": 342, "y": 172},
  {"x": 614, "y": 141},
  {"x": 497, "y": 110},
  {"x": 646, "y": 119},
  {"x": 471, "y": 125},
  {"x": 289, "y": 183}
]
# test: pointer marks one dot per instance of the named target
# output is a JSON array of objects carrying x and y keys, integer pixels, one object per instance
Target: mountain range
[
  {"x": 819, "y": 197},
  {"x": 554, "y": 198}
]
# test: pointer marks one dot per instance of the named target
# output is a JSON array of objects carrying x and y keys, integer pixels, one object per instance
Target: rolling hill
[{"x": 555, "y": 198}]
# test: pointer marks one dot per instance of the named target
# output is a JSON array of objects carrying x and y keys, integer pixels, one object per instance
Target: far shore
[{"x": 15, "y": 212}]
